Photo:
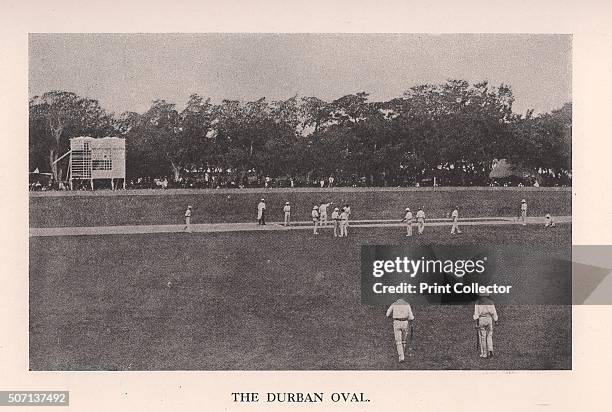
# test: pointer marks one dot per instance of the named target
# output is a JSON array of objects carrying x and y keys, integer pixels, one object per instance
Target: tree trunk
[
  {"x": 176, "y": 171},
  {"x": 52, "y": 164}
]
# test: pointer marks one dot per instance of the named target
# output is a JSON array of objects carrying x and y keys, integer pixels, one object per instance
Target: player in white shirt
[
  {"x": 344, "y": 218},
  {"x": 420, "y": 220},
  {"x": 401, "y": 312},
  {"x": 408, "y": 219},
  {"x": 315, "y": 219},
  {"x": 323, "y": 213},
  {"x": 188, "y": 220},
  {"x": 485, "y": 316},
  {"x": 347, "y": 208},
  {"x": 455, "y": 217},
  {"x": 261, "y": 212},
  {"x": 336, "y": 219},
  {"x": 287, "y": 210},
  {"x": 524, "y": 212}
]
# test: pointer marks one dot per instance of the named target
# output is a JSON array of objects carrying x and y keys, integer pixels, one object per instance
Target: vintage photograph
[{"x": 203, "y": 201}]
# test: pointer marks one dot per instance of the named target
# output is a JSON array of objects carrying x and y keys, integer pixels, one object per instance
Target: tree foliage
[{"x": 451, "y": 131}]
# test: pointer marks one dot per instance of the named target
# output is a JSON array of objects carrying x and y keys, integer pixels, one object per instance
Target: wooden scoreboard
[{"x": 97, "y": 158}]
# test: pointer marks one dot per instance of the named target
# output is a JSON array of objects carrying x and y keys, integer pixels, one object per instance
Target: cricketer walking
[{"x": 401, "y": 312}]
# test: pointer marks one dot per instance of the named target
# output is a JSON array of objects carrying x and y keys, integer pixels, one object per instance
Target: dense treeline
[{"x": 450, "y": 131}]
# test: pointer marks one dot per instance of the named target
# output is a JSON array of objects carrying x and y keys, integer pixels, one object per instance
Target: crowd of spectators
[{"x": 211, "y": 181}]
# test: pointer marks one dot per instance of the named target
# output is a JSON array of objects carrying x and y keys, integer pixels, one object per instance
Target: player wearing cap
[
  {"x": 344, "y": 219},
  {"x": 408, "y": 219},
  {"x": 548, "y": 221},
  {"x": 485, "y": 316},
  {"x": 336, "y": 219},
  {"x": 455, "y": 217},
  {"x": 402, "y": 314},
  {"x": 287, "y": 210},
  {"x": 261, "y": 212},
  {"x": 188, "y": 220},
  {"x": 524, "y": 212},
  {"x": 315, "y": 219},
  {"x": 420, "y": 220}
]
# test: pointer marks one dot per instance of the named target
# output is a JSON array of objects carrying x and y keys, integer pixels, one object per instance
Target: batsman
[{"x": 402, "y": 317}]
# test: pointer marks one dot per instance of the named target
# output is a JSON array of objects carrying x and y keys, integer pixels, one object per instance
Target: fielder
[
  {"x": 344, "y": 219},
  {"x": 323, "y": 213},
  {"x": 548, "y": 221},
  {"x": 261, "y": 212},
  {"x": 420, "y": 220},
  {"x": 524, "y": 212},
  {"x": 336, "y": 218},
  {"x": 408, "y": 219},
  {"x": 485, "y": 316},
  {"x": 287, "y": 210},
  {"x": 402, "y": 315},
  {"x": 188, "y": 220},
  {"x": 455, "y": 217},
  {"x": 315, "y": 219}
]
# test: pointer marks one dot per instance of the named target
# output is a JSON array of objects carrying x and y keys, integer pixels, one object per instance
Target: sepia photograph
[{"x": 219, "y": 201}]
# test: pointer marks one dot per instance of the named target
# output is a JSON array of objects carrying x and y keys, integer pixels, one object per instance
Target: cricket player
[
  {"x": 261, "y": 212},
  {"x": 188, "y": 220},
  {"x": 402, "y": 314},
  {"x": 485, "y": 316},
  {"x": 287, "y": 210},
  {"x": 344, "y": 218},
  {"x": 408, "y": 219},
  {"x": 524, "y": 212},
  {"x": 420, "y": 220},
  {"x": 548, "y": 221},
  {"x": 455, "y": 217},
  {"x": 336, "y": 220},
  {"x": 323, "y": 212},
  {"x": 315, "y": 219},
  {"x": 348, "y": 212}
]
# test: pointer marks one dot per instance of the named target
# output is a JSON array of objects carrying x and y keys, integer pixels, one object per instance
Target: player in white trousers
[
  {"x": 455, "y": 217},
  {"x": 336, "y": 221},
  {"x": 287, "y": 210},
  {"x": 315, "y": 219},
  {"x": 485, "y": 316},
  {"x": 408, "y": 219},
  {"x": 188, "y": 220},
  {"x": 344, "y": 219},
  {"x": 420, "y": 221},
  {"x": 402, "y": 314}
]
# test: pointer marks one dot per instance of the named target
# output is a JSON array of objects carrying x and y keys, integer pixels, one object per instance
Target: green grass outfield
[
  {"x": 270, "y": 300},
  {"x": 142, "y": 207}
]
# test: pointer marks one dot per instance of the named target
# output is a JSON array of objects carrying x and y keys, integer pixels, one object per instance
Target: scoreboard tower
[{"x": 97, "y": 158}]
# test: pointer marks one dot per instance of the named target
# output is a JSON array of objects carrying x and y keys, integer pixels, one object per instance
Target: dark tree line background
[{"x": 451, "y": 131}]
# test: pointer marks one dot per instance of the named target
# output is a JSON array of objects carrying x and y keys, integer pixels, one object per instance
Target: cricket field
[{"x": 269, "y": 299}]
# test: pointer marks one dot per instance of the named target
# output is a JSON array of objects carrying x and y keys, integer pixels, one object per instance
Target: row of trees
[{"x": 451, "y": 131}]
